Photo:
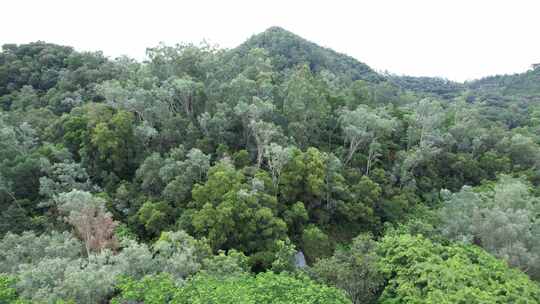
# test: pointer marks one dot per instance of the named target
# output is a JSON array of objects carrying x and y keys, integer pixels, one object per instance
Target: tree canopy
[{"x": 278, "y": 171}]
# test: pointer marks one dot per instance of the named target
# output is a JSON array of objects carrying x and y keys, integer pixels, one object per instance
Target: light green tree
[
  {"x": 499, "y": 217},
  {"x": 363, "y": 127}
]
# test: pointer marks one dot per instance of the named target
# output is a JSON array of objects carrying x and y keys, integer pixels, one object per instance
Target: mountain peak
[
  {"x": 288, "y": 50},
  {"x": 275, "y": 28}
]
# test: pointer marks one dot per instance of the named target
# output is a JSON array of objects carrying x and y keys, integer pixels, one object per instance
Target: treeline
[{"x": 201, "y": 174}]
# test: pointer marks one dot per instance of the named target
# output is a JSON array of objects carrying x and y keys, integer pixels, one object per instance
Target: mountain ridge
[{"x": 289, "y": 49}]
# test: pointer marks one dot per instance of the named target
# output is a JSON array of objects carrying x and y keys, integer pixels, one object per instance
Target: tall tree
[
  {"x": 92, "y": 223},
  {"x": 305, "y": 107},
  {"x": 365, "y": 126}
]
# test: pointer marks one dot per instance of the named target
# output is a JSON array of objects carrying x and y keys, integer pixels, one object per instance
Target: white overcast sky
[{"x": 455, "y": 39}]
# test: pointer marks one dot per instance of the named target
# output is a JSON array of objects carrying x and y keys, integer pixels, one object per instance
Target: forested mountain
[
  {"x": 288, "y": 50},
  {"x": 207, "y": 175},
  {"x": 525, "y": 84},
  {"x": 430, "y": 86}
]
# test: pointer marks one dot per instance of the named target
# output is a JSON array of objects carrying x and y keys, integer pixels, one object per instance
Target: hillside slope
[
  {"x": 288, "y": 50},
  {"x": 525, "y": 84}
]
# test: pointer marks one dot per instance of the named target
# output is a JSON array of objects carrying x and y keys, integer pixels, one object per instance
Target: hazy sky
[{"x": 456, "y": 39}]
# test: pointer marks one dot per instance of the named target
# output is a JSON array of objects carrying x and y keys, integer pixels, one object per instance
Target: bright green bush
[
  {"x": 246, "y": 289},
  {"x": 8, "y": 294},
  {"x": 420, "y": 271},
  {"x": 155, "y": 289},
  {"x": 264, "y": 288}
]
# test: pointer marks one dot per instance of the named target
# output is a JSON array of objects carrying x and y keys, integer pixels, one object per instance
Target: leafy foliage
[
  {"x": 354, "y": 270},
  {"x": 150, "y": 289},
  {"x": 421, "y": 271},
  {"x": 8, "y": 294},
  {"x": 290, "y": 50},
  {"x": 263, "y": 288},
  {"x": 176, "y": 178},
  {"x": 500, "y": 217}
]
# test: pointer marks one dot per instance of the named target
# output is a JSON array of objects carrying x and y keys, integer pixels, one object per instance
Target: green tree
[
  {"x": 154, "y": 289},
  {"x": 499, "y": 217},
  {"x": 354, "y": 270},
  {"x": 184, "y": 95},
  {"x": 263, "y": 288},
  {"x": 87, "y": 214},
  {"x": 277, "y": 157},
  {"x": 231, "y": 213},
  {"x": 114, "y": 146},
  {"x": 29, "y": 248},
  {"x": 8, "y": 294},
  {"x": 365, "y": 127},
  {"x": 304, "y": 106},
  {"x": 420, "y": 271},
  {"x": 179, "y": 254},
  {"x": 315, "y": 244},
  {"x": 155, "y": 216},
  {"x": 285, "y": 257},
  {"x": 222, "y": 265}
]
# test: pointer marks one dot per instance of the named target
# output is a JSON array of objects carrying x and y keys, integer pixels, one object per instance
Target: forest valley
[{"x": 202, "y": 175}]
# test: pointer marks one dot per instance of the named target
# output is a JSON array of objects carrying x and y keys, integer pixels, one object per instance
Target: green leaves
[
  {"x": 354, "y": 270},
  {"x": 305, "y": 107},
  {"x": 222, "y": 265},
  {"x": 363, "y": 127},
  {"x": 8, "y": 294},
  {"x": 155, "y": 216},
  {"x": 500, "y": 217},
  {"x": 263, "y": 288},
  {"x": 184, "y": 95},
  {"x": 231, "y": 213},
  {"x": 319, "y": 157},
  {"x": 420, "y": 271},
  {"x": 29, "y": 248},
  {"x": 179, "y": 254},
  {"x": 156, "y": 289}
]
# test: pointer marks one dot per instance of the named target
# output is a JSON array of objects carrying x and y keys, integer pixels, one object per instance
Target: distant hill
[
  {"x": 523, "y": 84},
  {"x": 428, "y": 85},
  {"x": 42, "y": 65},
  {"x": 288, "y": 50}
]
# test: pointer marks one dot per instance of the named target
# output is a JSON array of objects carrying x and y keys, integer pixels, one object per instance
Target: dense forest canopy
[{"x": 207, "y": 175}]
